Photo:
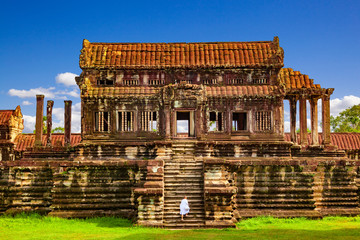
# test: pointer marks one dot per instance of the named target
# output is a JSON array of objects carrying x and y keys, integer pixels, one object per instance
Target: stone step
[
  {"x": 176, "y": 200},
  {"x": 185, "y": 169},
  {"x": 176, "y": 205},
  {"x": 188, "y": 219},
  {"x": 184, "y": 183},
  {"x": 184, "y": 177},
  {"x": 181, "y": 195},
  {"x": 183, "y": 161},
  {"x": 193, "y": 212},
  {"x": 190, "y": 167},
  {"x": 178, "y": 186},
  {"x": 171, "y": 216},
  {"x": 184, "y": 225}
]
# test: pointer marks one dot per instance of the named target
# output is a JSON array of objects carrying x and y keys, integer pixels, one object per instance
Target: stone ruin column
[
  {"x": 67, "y": 122},
  {"x": 314, "y": 121},
  {"x": 293, "y": 134},
  {"x": 303, "y": 123},
  {"x": 49, "y": 108},
  {"x": 326, "y": 119},
  {"x": 39, "y": 120}
]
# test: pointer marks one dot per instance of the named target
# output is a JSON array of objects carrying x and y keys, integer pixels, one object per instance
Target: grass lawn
[{"x": 37, "y": 227}]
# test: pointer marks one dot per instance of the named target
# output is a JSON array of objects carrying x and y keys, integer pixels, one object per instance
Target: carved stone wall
[{"x": 282, "y": 187}]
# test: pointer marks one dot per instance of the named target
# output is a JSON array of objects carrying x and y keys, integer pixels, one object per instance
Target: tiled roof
[
  {"x": 24, "y": 141},
  {"x": 5, "y": 116},
  {"x": 189, "y": 55},
  {"x": 247, "y": 90},
  {"x": 345, "y": 141},
  {"x": 294, "y": 79},
  {"x": 121, "y": 91},
  {"x": 211, "y": 91}
]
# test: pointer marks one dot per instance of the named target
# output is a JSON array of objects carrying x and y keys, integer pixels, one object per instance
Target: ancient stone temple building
[
  {"x": 205, "y": 120},
  {"x": 11, "y": 125}
]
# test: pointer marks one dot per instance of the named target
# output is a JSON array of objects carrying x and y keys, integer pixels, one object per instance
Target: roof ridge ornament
[
  {"x": 278, "y": 55},
  {"x": 85, "y": 55}
]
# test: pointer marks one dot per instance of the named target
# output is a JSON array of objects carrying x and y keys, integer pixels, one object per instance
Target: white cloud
[
  {"x": 67, "y": 78},
  {"x": 29, "y": 123},
  {"x": 338, "y": 105},
  {"x": 72, "y": 93},
  {"x": 182, "y": 126},
  {"x": 26, "y": 103},
  {"x": 286, "y": 126},
  {"x": 48, "y": 92}
]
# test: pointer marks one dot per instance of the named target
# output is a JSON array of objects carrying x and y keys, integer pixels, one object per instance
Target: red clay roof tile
[
  {"x": 150, "y": 55},
  {"x": 24, "y": 141},
  {"x": 5, "y": 116},
  {"x": 233, "y": 91},
  {"x": 344, "y": 141},
  {"x": 295, "y": 79}
]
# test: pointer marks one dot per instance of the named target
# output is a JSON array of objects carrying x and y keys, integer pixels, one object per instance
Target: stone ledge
[
  {"x": 149, "y": 191},
  {"x": 221, "y": 190}
]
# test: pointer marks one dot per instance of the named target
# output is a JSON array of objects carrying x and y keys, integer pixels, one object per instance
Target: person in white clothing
[{"x": 184, "y": 208}]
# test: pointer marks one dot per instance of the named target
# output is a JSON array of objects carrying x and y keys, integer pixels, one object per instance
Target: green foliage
[
  {"x": 308, "y": 130},
  {"x": 55, "y": 130},
  {"x": 347, "y": 121},
  {"x": 34, "y": 226}
]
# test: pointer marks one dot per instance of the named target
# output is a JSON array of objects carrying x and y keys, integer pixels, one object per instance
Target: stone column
[
  {"x": 167, "y": 121},
  {"x": 39, "y": 120},
  {"x": 292, "y": 101},
  {"x": 49, "y": 108},
  {"x": 67, "y": 122},
  {"x": 314, "y": 121},
  {"x": 303, "y": 123},
  {"x": 326, "y": 119}
]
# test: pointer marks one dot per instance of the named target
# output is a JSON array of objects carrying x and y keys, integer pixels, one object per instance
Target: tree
[
  {"x": 55, "y": 130},
  {"x": 347, "y": 121}
]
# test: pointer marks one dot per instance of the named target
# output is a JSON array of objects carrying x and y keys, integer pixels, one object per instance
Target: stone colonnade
[
  {"x": 39, "y": 121},
  {"x": 312, "y": 95}
]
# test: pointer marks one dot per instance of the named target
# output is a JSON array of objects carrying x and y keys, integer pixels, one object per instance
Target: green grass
[{"x": 37, "y": 227}]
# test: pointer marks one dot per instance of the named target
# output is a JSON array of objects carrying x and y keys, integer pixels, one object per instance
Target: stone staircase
[{"x": 183, "y": 175}]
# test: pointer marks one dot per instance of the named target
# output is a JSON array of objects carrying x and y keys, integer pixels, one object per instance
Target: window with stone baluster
[
  {"x": 263, "y": 121},
  {"x": 102, "y": 121},
  {"x": 125, "y": 121},
  {"x": 149, "y": 121}
]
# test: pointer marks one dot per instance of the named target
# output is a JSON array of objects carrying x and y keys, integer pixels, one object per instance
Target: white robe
[{"x": 184, "y": 207}]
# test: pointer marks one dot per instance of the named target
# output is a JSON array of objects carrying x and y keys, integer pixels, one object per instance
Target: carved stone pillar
[
  {"x": 303, "y": 121},
  {"x": 39, "y": 119},
  {"x": 292, "y": 101},
  {"x": 49, "y": 108},
  {"x": 67, "y": 120},
  {"x": 167, "y": 114},
  {"x": 326, "y": 119},
  {"x": 314, "y": 121}
]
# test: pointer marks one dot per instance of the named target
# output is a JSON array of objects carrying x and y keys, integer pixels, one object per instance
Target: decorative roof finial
[{"x": 276, "y": 41}]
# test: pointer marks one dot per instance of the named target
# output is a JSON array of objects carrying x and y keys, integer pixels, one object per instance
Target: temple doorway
[{"x": 185, "y": 124}]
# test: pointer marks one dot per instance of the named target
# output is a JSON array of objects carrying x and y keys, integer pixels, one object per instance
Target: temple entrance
[{"x": 185, "y": 124}]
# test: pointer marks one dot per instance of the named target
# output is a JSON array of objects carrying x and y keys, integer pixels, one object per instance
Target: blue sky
[{"x": 41, "y": 40}]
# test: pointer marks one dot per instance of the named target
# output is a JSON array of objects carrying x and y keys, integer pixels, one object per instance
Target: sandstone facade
[{"x": 206, "y": 120}]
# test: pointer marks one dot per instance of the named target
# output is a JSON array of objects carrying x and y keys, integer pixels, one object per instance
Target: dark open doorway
[{"x": 185, "y": 124}]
